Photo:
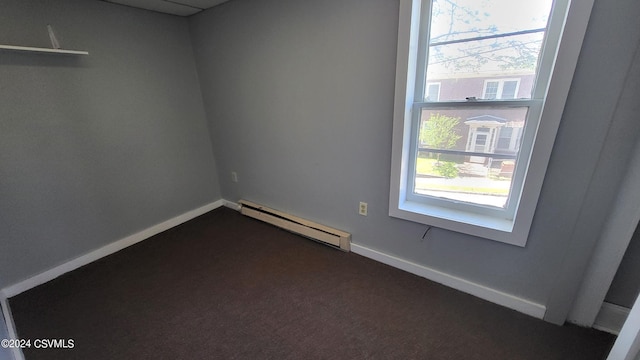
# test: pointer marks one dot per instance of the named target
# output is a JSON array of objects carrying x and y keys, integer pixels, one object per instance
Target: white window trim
[{"x": 514, "y": 231}]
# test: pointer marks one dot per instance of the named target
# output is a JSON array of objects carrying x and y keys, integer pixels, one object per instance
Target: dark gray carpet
[{"x": 224, "y": 286}]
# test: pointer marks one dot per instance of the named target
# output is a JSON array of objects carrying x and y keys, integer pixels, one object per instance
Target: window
[
  {"x": 508, "y": 139},
  {"x": 433, "y": 92},
  {"x": 500, "y": 89},
  {"x": 473, "y": 159}
]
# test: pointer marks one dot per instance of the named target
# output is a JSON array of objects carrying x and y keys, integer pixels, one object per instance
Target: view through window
[{"x": 484, "y": 56}]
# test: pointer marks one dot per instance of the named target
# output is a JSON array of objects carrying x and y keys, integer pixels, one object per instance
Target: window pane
[
  {"x": 433, "y": 92},
  {"x": 468, "y": 154},
  {"x": 472, "y": 41},
  {"x": 509, "y": 89},
  {"x": 461, "y": 129},
  {"x": 504, "y": 139},
  {"x": 491, "y": 90}
]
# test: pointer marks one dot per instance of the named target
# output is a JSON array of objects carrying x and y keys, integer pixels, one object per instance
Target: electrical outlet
[
  {"x": 362, "y": 210},
  {"x": 234, "y": 176}
]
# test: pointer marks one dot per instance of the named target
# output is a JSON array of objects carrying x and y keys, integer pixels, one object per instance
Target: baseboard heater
[{"x": 335, "y": 238}]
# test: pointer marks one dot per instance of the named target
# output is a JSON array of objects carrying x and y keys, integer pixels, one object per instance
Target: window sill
[{"x": 479, "y": 225}]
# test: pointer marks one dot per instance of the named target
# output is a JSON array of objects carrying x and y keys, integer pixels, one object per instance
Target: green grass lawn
[
  {"x": 425, "y": 166},
  {"x": 469, "y": 189}
]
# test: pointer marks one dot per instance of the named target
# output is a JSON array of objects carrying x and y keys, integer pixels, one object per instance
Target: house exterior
[{"x": 497, "y": 131}]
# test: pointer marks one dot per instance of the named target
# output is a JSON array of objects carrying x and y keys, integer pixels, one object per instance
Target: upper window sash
[{"x": 552, "y": 33}]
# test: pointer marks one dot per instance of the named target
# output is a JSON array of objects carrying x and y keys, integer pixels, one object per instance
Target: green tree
[
  {"x": 446, "y": 169},
  {"x": 440, "y": 131}
]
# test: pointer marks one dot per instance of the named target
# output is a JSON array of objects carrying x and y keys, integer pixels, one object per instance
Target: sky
[
  {"x": 507, "y": 15},
  {"x": 464, "y": 19}
]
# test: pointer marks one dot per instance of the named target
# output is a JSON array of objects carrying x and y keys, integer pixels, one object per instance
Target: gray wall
[
  {"x": 299, "y": 96},
  {"x": 626, "y": 284},
  {"x": 95, "y": 148},
  {"x": 610, "y": 99},
  {"x": 5, "y": 354},
  {"x": 299, "y": 101}
]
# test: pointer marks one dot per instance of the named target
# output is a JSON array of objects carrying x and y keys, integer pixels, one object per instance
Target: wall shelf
[{"x": 43, "y": 50}]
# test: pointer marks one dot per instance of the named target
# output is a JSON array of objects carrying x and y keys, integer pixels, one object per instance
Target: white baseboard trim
[
  {"x": 611, "y": 318},
  {"x": 106, "y": 250},
  {"x": 483, "y": 292},
  {"x": 231, "y": 205}
]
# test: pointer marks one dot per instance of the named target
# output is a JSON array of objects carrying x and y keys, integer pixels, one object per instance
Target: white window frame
[
  {"x": 501, "y": 87},
  {"x": 514, "y": 230}
]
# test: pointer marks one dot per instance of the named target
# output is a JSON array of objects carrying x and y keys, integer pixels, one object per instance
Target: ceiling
[{"x": 174, "y": 7}]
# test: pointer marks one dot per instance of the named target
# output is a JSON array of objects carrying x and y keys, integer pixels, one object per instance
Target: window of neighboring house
[
  {"x": 508, "y": 138},
  {"x": 504, "y": 139},
  {"x": 433, "y": 92},
  {"x": 500, "y": 89},
  {"x": 476, "y": 164}
]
